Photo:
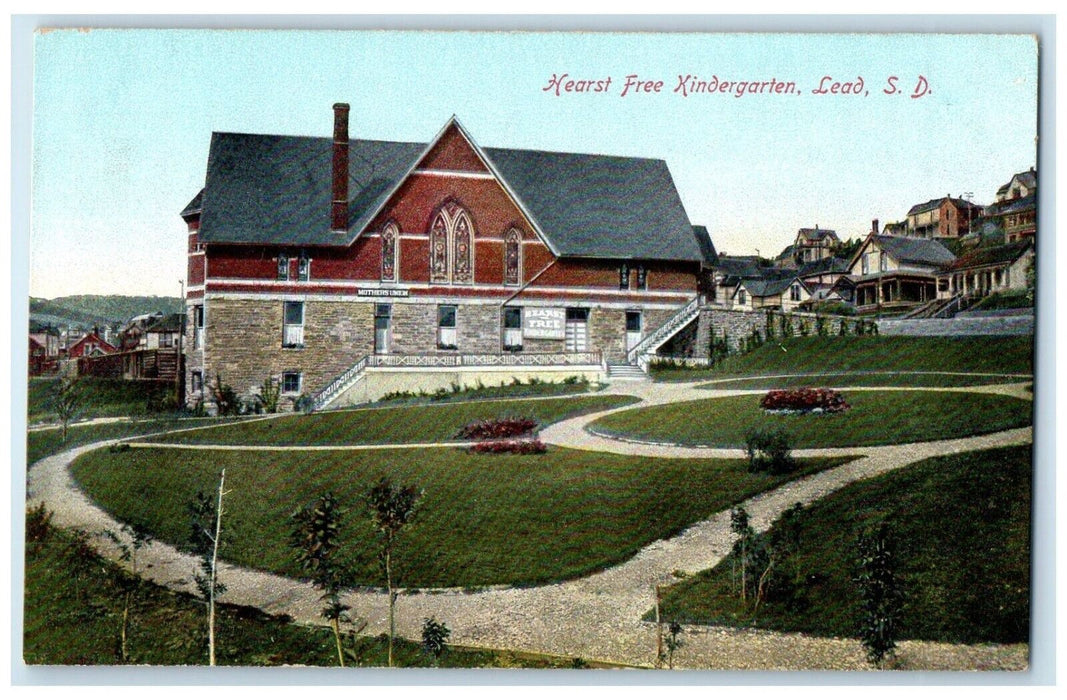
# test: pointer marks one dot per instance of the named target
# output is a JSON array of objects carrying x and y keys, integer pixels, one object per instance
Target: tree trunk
[
  {"x": 214, "y": 575},
  {"x": 337, "y": 637},
  {"x": 125, "y": 619},
  {"x": 392, "y": 600}
]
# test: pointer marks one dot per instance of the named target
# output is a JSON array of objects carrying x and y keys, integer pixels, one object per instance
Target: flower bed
[
  {"x": 804, "y": 401},
  {"x": 515, "y": 447},
  {"x": 497, "y": 429}
]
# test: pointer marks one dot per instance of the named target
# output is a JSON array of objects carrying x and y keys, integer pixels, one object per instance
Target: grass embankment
[
  {"x": 399, "y": 425},
  {"x": 875, "y": 418},
  {"x": 864, "y": 379},
  {"x": 515, "y": 389},
  {"x": 102, "y": 398},
  {"x": 961, "y": 524},
  {"x": 1019, "y": 299},
  {"x": 485, "y": 519},
  {"x": 42, "y": 443},
  {"x": 797, "y": 355},
  {"x": 73, "y": 615}
]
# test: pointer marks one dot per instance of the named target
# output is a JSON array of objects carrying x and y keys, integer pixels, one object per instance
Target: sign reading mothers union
[{"x": 548, "y": 323}]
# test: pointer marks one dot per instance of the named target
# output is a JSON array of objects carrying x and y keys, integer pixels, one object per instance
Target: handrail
[
  {"x": 665, "y": 331},
  {"x": 338, "y": 385}
]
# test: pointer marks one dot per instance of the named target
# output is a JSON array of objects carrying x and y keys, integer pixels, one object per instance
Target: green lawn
[
  {"x": 42, "y": 443},
  {"x": 961, "y": 524},
  {"x": 1002, "y": 354},
  {"x": 842, "y": 379},
  {"x": 393, "y": 425},
  {"x": 101, "y": 398},
  {"x": 876, "y": 418},
  {"x": 485, "y": 519},
  {"x": 73, "y": 615}
]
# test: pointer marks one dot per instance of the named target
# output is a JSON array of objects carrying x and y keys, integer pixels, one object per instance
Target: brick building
[{"x": 346, "y": 268}]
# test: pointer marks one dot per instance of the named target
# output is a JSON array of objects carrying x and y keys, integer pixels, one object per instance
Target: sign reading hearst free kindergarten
[{"x": 545, "y": 323}]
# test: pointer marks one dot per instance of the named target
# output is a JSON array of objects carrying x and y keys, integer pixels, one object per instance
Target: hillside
[{"x": 92, "y": 309}]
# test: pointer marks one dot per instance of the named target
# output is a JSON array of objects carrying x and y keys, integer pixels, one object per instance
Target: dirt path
[{"x": 599, "y": 616}]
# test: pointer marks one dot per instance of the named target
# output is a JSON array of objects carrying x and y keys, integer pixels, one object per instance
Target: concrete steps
[{"x": 626, "y": 373}]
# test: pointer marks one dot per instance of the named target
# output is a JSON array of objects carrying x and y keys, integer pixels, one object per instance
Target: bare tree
[
  {"x": 206, "y": 534},
  {"x": 67, "y": 398}
]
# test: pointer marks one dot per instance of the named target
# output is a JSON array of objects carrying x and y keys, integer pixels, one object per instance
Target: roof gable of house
[
  {"x": 277, "y": 190},
  {"x": 990, "y": 255}
]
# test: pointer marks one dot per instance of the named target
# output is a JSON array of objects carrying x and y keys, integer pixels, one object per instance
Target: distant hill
[{"x": 86, "y": 310}]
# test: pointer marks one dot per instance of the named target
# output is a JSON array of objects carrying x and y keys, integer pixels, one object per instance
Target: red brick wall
[{"x": 452, "y": 152}]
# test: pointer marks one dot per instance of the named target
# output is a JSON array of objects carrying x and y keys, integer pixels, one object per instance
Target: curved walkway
[{"x": 599, "y": 616}]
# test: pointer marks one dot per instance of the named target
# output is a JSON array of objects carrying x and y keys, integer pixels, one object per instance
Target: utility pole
[{"x": 179, "y": 369}]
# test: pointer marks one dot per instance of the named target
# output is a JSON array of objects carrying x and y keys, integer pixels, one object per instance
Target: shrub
[
  {"x": 769, "y": 451},
  {"x": 805, "y": 400},
  {"x": 269, "y": 392},
  {"x": 304, "y": 403},
  {"x": 38, "y": 526},
  {"x": 515, "y": 447},
  {"x": 497, "y": 428},
  {"x": 225, "y": 397}
]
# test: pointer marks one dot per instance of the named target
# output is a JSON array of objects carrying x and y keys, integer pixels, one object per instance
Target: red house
[
  {"x": 89, "y": 345},
  {"x": 349, "y": 268}
]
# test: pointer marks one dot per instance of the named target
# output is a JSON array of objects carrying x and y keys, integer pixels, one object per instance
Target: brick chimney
[
  {"x": 339, "y": 211},
  {"x": 874, "y": 226}
]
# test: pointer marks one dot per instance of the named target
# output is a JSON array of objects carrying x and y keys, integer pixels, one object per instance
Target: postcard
[{"x": 670, "y": 351}]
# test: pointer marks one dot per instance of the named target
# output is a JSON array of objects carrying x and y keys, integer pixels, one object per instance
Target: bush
[
  {"x": 269, "y": 393},
  {"x": 769, "y": 451},
  {"x": 225, "y": 397},
  {"x": 304, "y": 403},
  {"x": 804, "y": 400},
  {"x": 38, "y": 526},
  {"x": 497, "y": 428},
  {"x": 515, "y": 447}
]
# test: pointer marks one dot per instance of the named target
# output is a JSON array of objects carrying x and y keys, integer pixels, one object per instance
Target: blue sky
[{"x": 122, "y": 121}]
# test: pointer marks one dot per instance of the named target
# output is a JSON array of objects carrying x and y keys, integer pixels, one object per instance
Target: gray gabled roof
[
  {"x": 277, "y": 190},
  {"x": 823, "y": 266},
  {"x": 769, "y": 287},
  {"x": 925, "y": 251},
  {"x": 707, "y": 247}
]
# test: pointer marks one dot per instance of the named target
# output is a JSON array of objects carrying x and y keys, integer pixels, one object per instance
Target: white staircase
[
  {"x": 352, "y": 376},
  {"x": 626, "y": 373},
  {"x": 639, "y": 354}
]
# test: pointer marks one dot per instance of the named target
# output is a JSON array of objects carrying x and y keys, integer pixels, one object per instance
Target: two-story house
[
  {"x": 890, "y": 272},
  {"x": 946, "y": 217}
]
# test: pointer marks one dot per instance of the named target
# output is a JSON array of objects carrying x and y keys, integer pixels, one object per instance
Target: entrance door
[
  {"x": 633, "y": 329},
  {"x": 383, "y": 314},
  {"x": 577, "y": 330}
]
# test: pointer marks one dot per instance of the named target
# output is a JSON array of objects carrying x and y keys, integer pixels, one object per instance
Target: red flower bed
[
  {"x": 515, "y": 447},
  {"x": 804, "y": 400},
  {"x": 497, "y": 429}
]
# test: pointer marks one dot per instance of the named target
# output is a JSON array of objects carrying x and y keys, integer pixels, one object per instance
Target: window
[
  {"x": 283, "y": 266},
  {"x": 624, "y": 276},
  {"x": 389, "y": 236},
  {"x": 865, "y": 264},
  {"x": 446, "y": 327},
  {"x": 291, "y": 382},
  {"x": 642, "y": 277},
  {"x": 883, "y": 261},
  {"x": 303, "y": 268},
  {"x": 293, "y": 325},
  {"x": 513, "y": 257},
  {"x": 196, "y": 381},
  {"x": 513, "y": 328},
  {"x": 741, "y": 297},
  {"x": 166, "y": 340},
  {"x": 198, "y": 326},
  {"x": 794, "y": 293},
  {"x": 452, "y": 246}
]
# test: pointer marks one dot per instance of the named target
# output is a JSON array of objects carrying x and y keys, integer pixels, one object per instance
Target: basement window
[{"x": 291, "y": 382}]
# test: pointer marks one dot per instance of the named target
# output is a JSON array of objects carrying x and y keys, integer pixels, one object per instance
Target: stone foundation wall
[
  {"x": 737, "y": 325},
  {"x": 380, "y": 381},
  {"x": 244, "y": 343}
]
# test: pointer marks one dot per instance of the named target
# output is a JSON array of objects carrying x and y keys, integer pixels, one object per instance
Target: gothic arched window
[
  {"x": 513, "y": 256},
  {"x": 389, "y": 239},
  {"x": 452, "y": 245}
]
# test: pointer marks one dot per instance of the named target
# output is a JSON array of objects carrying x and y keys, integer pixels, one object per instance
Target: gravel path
[{"x": 599, "y": 616}]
